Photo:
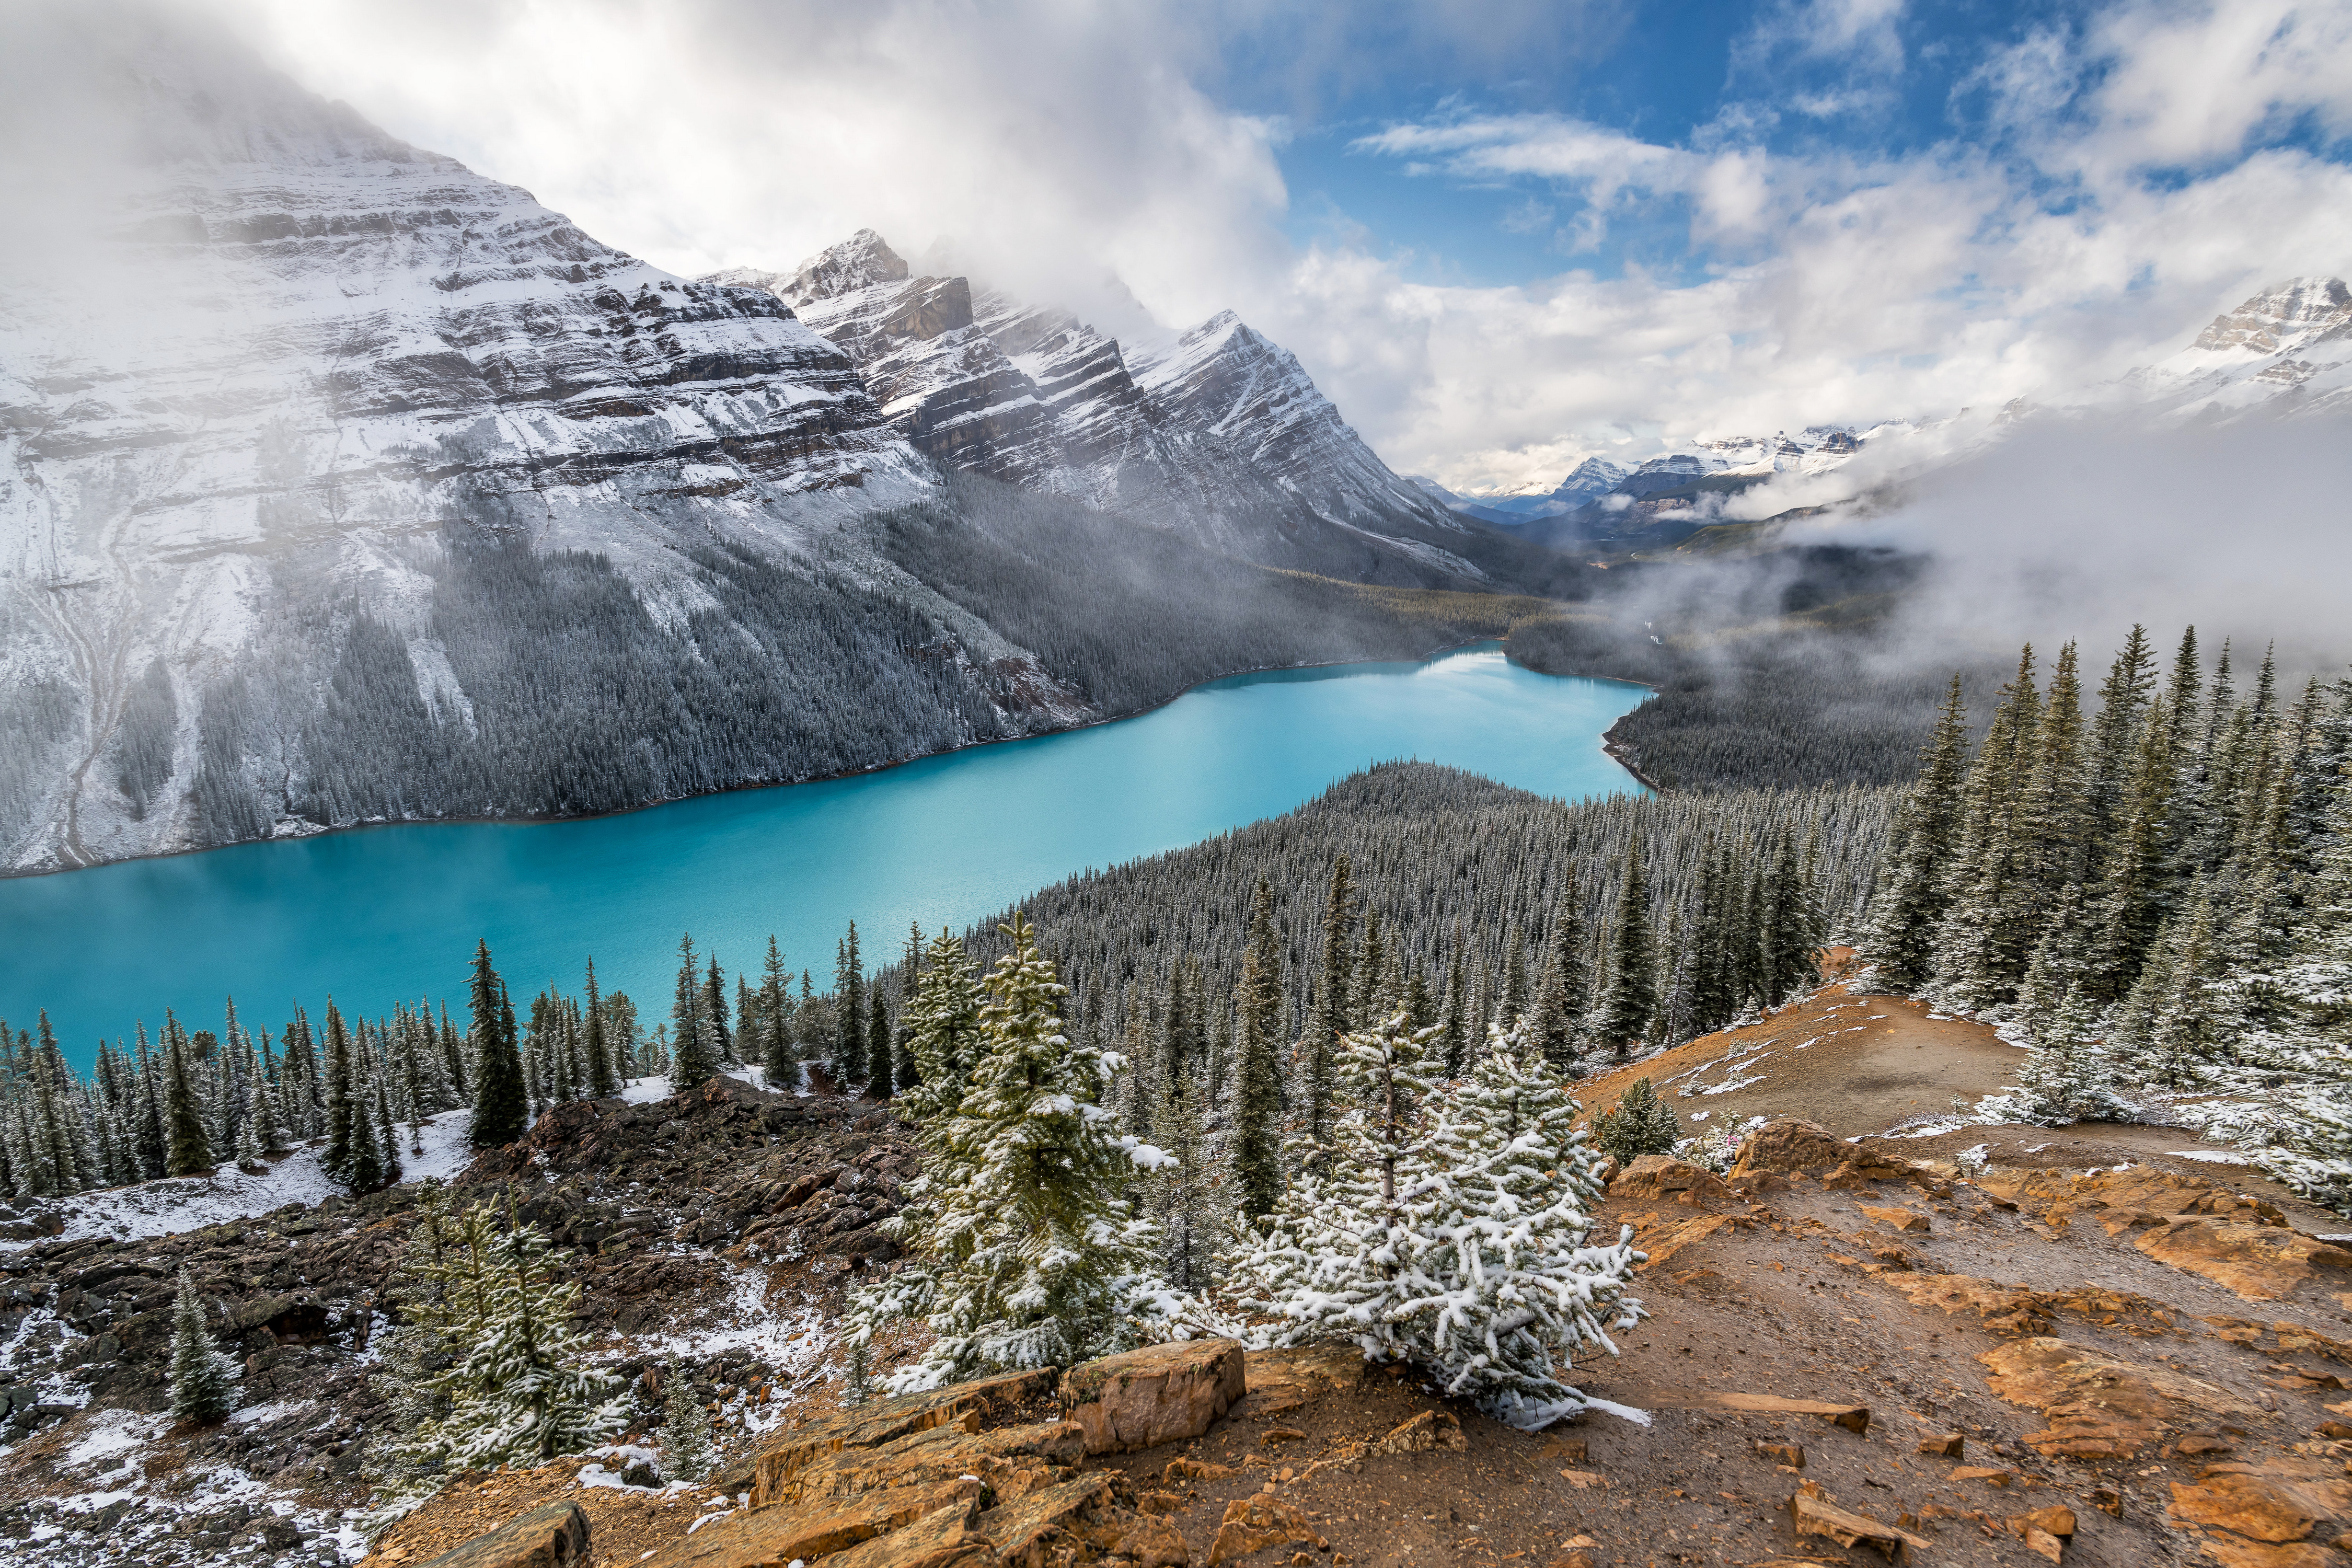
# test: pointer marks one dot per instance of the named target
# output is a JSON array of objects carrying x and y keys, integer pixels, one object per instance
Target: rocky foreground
[{"x": 1848, "y": 1353}]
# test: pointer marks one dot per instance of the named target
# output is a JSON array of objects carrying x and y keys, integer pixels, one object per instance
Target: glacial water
[{"x": 386, "y": 913}]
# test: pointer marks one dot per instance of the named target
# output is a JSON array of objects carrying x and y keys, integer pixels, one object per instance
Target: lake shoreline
[{"x": 882, "y": 767}]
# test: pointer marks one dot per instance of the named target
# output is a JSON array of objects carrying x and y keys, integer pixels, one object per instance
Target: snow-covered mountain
[
  {"x": 1216, "y": 431},
  {"x": 295, "y": 386},
  {"x": 2288, "y": 349}
]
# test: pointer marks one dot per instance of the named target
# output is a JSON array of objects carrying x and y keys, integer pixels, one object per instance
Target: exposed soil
[{"x": 1853, "y": 1063}]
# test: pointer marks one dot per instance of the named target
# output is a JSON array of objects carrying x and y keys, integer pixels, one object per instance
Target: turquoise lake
[{"x": 386, "y": 913}]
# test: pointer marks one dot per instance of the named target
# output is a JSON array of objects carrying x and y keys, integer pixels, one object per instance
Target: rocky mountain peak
[
  {"x": 2299, "y": 310},
  {"x": 862, "y": 261}
]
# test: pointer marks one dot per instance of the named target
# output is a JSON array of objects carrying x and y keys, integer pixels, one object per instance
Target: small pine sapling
[
  {"x": 204, "y": 1381},
  {"x": 687, "y": 1450}
]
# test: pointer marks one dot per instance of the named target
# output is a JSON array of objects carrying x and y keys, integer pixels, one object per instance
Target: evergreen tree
[
  {"x": 1901, "y": 943},
  {"x": 907, "y": 1071},
  {"x": 1640, "y": 1123},
  {"x": 694, "y": 1046},
  {"x": 2068, "y": 1077},
  {"x": 1031, "y": 1253},
  {"x": 1455, "y": 1027},
  {"x": 1256, "y": 1150},
  {"x": 187, "y": 1147},
  {"x": 500, "y": 1374},
  {"x": 849, "y": 1065},
  {"x": 777, "y": 1055},
  {"x": 1560, "y": 994},
  {"x": 943, "y": 1033},
  {"x": 203, "y": 1380},
  {"x": 1631, "y": 995},
  {"x": 499, "y": 1105},
  {"x": 1793, "y": 930},
  {"x": 714, "y": 1015},
  {"x": 1333, "y": 993},
  {"x": 604, "y": 1071},
  {"x": 687, "y": 1453}
]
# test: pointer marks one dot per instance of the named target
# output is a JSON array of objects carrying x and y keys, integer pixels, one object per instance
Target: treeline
[
  {"x": 188, "y": 1102},
  {"x": 2159, "y": 890},
  {"x": 1473, "y": 889}
]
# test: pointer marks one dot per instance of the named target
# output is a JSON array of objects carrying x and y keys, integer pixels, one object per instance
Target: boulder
[
  {"x": 1010, "y": 1460},
  {"x": 944, "y": 1539},
  {"x": 776, "y": 1537},
  {"x": 1256, "y": 1523},
  {"x": 555, "y": 1536},
  {"x": 1017, "y": 1531},
  {"x": 1790, "y": 1146},
  {"x": 1160, "y": 1394},
  {"x": 1901, "y": 1219},
  {"x": 1661, "y": 1178}
]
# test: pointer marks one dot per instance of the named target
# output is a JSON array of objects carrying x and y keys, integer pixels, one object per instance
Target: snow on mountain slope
[
  {"x": 2288, "y": 349},
  {"x": 1216, "y": 431},
  {"x": 285, "y": 356}
]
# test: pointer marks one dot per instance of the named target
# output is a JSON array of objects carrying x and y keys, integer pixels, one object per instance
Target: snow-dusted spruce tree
[
  {"x": 501, "y": 1375},
  {"x": 2069, "y": 1077},
  {"x": 1028, "y": 1247},
  {"x": 1505, "y": 1288},
  {"x": 687, "y": 1451},
  {"x": 1332, "y": 1260},
  {"x": 204, "y": 1381},
  {"x": 2306, "y": 1143},
  {"x": 1449, "y": 1229}
]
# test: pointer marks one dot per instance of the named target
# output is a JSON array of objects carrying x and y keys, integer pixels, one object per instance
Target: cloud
[
  {"x": 2079, "y": 526},
  {"x": 2110, "y": 184}
]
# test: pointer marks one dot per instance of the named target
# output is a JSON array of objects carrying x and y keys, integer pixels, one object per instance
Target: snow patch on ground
[
  {"x": 2209, "y": 1156},
  {"x": 190, "y": 1203}
]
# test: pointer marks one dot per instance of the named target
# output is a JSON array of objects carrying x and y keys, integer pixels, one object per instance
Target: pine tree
[
  {"x": 687, "y": 1450},
  {"x": 495, "y": 1374},
  {"x": 1031, "y": 1253},
  {"x": 1333, "y": 1015},
  {"x": 1256, "y": 1150},
  {"x": 604, "y": 1072},
  {"x": 499, "y": 1104},
  {"x": 905, "y": 1072},
  {"x": 203, "y": 1380},
  {"x": 782, "y": 1067},
  {"x": 1560, "y": 993},
  {"x": 1507, "y": 1286},
  {"x": 1793, "y": 930},
  {"x": 1456, "y": 1027},
  {"x": 1901, "y": 943},
  {"x": 714, "y": 1015},
  {"x": 944, "y": 1034},
  {"x": 2068, "y": 1077},
  {"x": 188, "y": 1149},
  {"x": 1640, "y": 1123},
  {"x": 1631, "y": 994},
  {"x": 849, "y": 1065},
  {"x": 694, "y": 1049}
]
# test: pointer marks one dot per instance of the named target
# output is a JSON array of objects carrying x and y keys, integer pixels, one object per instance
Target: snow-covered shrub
[
  {"x": 1450, "y": 1227},
  {"x": 687, "y": 1451}
]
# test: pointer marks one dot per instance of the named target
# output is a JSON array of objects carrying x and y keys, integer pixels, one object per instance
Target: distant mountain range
[{"x": 2287, "y": 349}]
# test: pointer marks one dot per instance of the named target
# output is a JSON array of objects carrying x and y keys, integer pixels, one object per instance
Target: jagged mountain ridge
[{"x": 1217, "y": 432}]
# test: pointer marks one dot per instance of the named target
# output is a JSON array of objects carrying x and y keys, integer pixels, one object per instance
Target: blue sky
[{"x": 1501, "y": 235}]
